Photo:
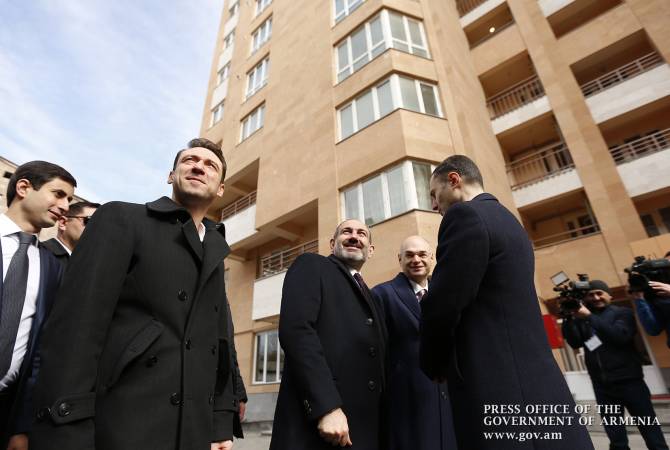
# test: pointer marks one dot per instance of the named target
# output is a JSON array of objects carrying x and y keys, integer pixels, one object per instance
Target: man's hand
[
  {"x": 223, "y": 445},
  {"x": 582, "y": 312},
  {"x": 18, "y": 442},
  {"x": 661, "y": 289},
  {"x": 334, "y": 429},
  {"x": 243, "y": 409}
]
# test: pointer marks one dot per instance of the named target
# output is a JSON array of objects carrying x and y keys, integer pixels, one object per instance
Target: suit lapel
[
  {"x": 191, "y": 235},
  {"x": 215, "y": 250},
  {"x": 403, "y": 289},
  {"x": 344, "y": 269}
]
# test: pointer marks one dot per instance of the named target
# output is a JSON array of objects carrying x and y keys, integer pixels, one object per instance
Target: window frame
[
  {"x": 349, "y": 7},
  {"x": 218, "y": 109},
  {"x": 264, "y": 28},
  {"x": 280, "y": 351},
  {"x": 260, "y": 69},
  {"x": 261, "y": 5},
  {"x": 260, "y": 122},
  {"x": 223, "y": 74},
  {"x": 229, "y": 39},
  {"x": 396, "y": 99},
  {"x": 233, "y": 9}
]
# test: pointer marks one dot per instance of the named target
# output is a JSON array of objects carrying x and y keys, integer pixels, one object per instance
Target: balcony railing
[
  {"x": 554, "y": 239},
  {"x": 543, "y": 163},
  {"x": 278, "y": 262},
  {"x": 491, "y": 34},
  {"x": 623, "y": 73},
  {"x": 465, "y": 6},
  {"x": 643, "y": 146},
  {"x": 239, "y": 205},
  {"x": 515, "y": 97}
]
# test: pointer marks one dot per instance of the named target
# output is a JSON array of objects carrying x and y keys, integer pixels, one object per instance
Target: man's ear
[
  {"x": 23, "y": 186},
  {"x": 222, "y": 187},
  {"x": 371, "y": 250},
  {"x": 332, "y": 243},
  {"x": 170, "y": 179},
  {"x": 62, "y": 223}
]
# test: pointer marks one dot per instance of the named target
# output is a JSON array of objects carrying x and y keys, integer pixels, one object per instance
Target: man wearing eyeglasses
[{"x": 70, "y": 228}]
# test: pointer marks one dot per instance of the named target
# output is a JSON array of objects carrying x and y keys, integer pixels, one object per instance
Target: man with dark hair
[
  {"x": 137, "y": 351},
  {"x": 38, "y": 194},
  {"x": 334, "y": 342},
  {"x": 70, "y": 228},
  {"x": 607, "y": 334},
  {"x": 481, "y": 326},
  {"x": 418, "y": 409}
]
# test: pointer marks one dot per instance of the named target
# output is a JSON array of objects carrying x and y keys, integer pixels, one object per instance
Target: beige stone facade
[{"x": 336, "y": 108}]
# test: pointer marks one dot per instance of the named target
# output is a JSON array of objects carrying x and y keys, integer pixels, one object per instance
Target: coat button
[
  {"x": 234, "y": 403},
  {"x": 151, "y": 361},
  {"x": 305, "y": 403},
  {"x": 175, "y": 399},
  {"x": 444, "y": 395},
  {"x": 188, "y": 344},
  {"x": 43, "y": 413},
  {"x": 216, "y": 308},
  {"x": 64, "y": 409},
  {"x": 372, "y": 385},
  {"x": 369, "y": 321},
  {"x": 211, "y": 399},
  {"x": 372, "y": 352},
  {"x": 182, "y": 295},
  {"x": 213, "y": 349}
]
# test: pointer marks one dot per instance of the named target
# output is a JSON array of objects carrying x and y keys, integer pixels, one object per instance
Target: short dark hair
[
  {"x": 463, "y": 166},
  {"x": 339, "y": 225},
  {"x": 78, "y": 207},
  {"x": 667, "y": 254},
  {"x": 209, "y": 145},
  {"x": 38, "y": 173}
]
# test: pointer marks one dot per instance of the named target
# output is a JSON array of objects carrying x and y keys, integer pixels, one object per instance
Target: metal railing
[
  {"x": 564, "y": 236},
  {"x": 515, "y": 97},
  {"x": 241, "y": 204},
  {"x": 643, "y": 146},
  {"x": 278, "y": 262},
  {"x": 621, "y": 74},
  {"x": 465, "y": 6},
  {"x": 544, "y": 162},
  {"x": 490, "y": 35}
]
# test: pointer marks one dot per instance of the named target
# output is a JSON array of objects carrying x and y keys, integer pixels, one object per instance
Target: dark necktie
[
  {"x": 420, "y": 294},
  {"x": 13, "y": 297},
  {"x": 361, "y": 284}
]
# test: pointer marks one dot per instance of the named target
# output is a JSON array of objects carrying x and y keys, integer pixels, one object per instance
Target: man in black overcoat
[
  {"x": 136, "y": 351},
  {"x": 419, "y": 413},
  {"x": 481, "y": 326},
  {"x": 334, "y": 342}
]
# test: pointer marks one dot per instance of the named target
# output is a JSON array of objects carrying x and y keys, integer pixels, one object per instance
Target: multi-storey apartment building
[{"x": 333, "y": 109}]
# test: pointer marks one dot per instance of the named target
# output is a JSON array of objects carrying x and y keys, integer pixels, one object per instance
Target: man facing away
[
  {"x": 136, "y": 352},
  {"x": 334, "y": 340},
  {"x": 481, "y": 327},
  {"x": 419, "y": 413},
  {"x": 38, "y": 194},
  {"x": 70, "y": 228}
]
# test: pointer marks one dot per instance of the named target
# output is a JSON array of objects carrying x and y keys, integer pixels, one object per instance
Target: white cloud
[{"x": 109, "y": 90}]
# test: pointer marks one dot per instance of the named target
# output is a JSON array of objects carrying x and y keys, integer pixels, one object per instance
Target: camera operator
[
  {"x": 606, "y": 332},
  {"x": 653, "y": 306}
]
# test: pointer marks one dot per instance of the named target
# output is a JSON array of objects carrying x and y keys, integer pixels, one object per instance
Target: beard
[{"x": 343, "y": 255}]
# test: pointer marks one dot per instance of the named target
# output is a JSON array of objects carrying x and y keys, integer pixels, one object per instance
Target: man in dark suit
[
  {"x": 419, "y": 413},
  {"x": 70, "y": 228},
  {"x": 334, "y": 342},
  {"x": 38, "y": 194},
  {"x": 481, "y": 326},
  {"x": 136, "y": 351}
]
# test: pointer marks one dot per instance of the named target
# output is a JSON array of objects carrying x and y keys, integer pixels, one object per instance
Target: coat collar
[
  {"x": 55, "y": 247},
  {"x": 403, "y": 289},
  {"x": 483, "y": 196}
]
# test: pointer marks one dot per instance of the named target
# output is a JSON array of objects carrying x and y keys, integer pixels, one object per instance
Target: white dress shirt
[
  {"x": 65, "y": 247},
  {"x": 10, "y": 243},
  {"x": 417, "y": 287}
]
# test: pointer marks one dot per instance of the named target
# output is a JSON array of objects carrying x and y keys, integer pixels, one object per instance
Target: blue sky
[{"x": 110, "y": 90}]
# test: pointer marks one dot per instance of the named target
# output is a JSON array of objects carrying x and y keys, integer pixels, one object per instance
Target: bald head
[{"x": 416, "y": 259}]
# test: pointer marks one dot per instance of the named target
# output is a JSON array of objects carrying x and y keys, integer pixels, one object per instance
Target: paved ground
[{"x": 254, "y": 441}]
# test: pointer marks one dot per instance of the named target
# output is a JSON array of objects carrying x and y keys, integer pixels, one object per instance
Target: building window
[
  {"x": 258, "y": 77},
  {"x": 234, "y": 8},
  {"x": 261, "y": 35},
  {"x": 393, "y": 93},
  {"x": 223, "y": 74},
  {"x": 268, "y": 358},
  {"x": 396, "y": 190},
  {"x": 345, "y": 7},
  {"x": 261, "y": 5},
  {"x": 386, "y": 30},
  {"x": 229, "y": 40},
  {"x": 217, "y": 113},
  {"x": 253, "y": 122}
]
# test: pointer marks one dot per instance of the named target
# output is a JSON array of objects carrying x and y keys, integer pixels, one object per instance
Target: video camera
[
  {"x": 644, "y": 270},
  {"x": 570, "y": 293}
]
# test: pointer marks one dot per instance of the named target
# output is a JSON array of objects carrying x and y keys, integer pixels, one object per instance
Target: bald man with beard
[
  {"x": 419, "y": 413},
  {"x": 334, "y": 341}
]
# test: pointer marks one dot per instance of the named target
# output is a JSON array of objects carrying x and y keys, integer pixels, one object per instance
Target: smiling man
[
  {"x": 334, "y": 341},
  {"x": 137, "y": 353},
  {"x": 419, "y": 413},
  {"x": 38, "y": 194}
]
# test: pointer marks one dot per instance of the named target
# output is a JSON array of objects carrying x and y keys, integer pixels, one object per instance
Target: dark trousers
[
  {"x": 633, "y": 395},
  {"x": 6, "y": 401}
]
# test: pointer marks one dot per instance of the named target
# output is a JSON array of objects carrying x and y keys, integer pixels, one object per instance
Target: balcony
[
  {"x": 240, "y": 219},
  {"x": 522, "y": 93},
  {"x": 268, "y": 286},
  {"x": 493, "y": 31},
  {"x": 628, "y": 87},
  {"x": 642, "y": 164},
  {"x": 465, "y": 6},
  {"x": 644, "y": 146},
  {"x": 565, "y": 16},
  {"x": 472, "y": 10}
]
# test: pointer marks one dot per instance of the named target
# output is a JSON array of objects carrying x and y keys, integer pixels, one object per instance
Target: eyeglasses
[{"x": 84, "y": 219}]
